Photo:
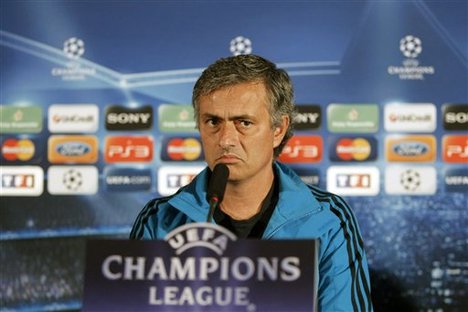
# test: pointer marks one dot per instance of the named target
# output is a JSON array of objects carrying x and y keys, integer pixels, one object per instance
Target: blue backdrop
[{"x": 123, "y": 56}]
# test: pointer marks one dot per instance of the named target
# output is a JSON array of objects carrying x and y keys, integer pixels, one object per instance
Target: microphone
[{"x": 216, "y": 188}]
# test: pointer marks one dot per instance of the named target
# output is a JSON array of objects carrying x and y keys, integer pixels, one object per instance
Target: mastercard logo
[
  {"x": 13, "y": 149},
  {"x": 183, "y": 149},
  {"x": 353, "y": 149}
]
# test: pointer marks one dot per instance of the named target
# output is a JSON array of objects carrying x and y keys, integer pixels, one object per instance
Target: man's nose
[{"x": 228, "y": 135}]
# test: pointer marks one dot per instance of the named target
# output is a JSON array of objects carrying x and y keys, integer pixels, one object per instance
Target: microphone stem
[{"x": 213, "y": 205}]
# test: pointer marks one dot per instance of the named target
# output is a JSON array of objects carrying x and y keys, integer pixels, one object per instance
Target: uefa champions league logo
[
  {"x": 240, "y": 46},
  {"x": 74, "y": 48},
  {"x": 411, "y": 48}
]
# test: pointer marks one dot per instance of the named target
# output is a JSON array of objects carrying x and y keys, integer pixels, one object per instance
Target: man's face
[{"x": 235, "y": 129}]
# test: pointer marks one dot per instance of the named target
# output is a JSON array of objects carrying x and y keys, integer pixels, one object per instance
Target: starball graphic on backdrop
[
  {"x": 411, "y": 69},
  {"x": 74, "y": 70}
]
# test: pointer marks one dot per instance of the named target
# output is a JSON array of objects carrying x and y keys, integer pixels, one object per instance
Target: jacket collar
[{"x": 295, "y": 199}]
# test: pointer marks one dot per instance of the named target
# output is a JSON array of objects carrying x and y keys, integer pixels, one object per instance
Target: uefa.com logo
[
  {"x": 73, "y": 49},
  {"x": 411, "y": 47}
]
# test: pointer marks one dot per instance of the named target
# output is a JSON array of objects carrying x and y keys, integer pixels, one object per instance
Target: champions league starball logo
[
  {"x": 411, "y": 47},
  {"x": 74, "y": 48},
  {"x": 240, "y": 46},
  {"x": 72, "y": 180},
  {"x": 410, "y": 180}
]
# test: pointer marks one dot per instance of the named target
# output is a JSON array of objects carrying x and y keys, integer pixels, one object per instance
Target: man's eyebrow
[{"x": 236, "y": 117}]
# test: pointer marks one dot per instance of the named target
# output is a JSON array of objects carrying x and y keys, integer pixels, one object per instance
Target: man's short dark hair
[{"x": 233, "y": 70}]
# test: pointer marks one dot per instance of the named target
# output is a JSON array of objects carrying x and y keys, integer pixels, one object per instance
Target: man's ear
[{"x": 280, "y": 131}]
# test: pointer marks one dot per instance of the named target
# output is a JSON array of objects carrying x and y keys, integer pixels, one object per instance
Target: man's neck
[{"x": 244, "y": 200}]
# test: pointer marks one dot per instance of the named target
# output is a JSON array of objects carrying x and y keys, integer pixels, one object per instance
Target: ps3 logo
[
  {"x": 128, "y": 149},
  {"x": 455, "y": 148},
  {"x": 302, "y": 149}
]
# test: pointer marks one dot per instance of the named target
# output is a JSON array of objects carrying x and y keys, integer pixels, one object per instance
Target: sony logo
[
  {"x": 460, "y": 117},
  {"x": 306, "y": 117},
  {"x": 128, "y": 118}
]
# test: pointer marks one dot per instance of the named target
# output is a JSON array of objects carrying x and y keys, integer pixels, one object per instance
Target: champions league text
[{"x": 239, "y": 269}]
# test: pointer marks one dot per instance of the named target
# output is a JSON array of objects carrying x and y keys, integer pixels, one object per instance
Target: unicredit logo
[
  {"x": 73, "y": 118},
  {"x": 414, "y": 117},
  {"x": 410, "y": 117},
  {"x": 129, "y": 118}
]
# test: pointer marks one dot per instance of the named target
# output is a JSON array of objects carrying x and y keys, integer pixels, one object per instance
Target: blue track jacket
[{"x": 302, "y": 212}]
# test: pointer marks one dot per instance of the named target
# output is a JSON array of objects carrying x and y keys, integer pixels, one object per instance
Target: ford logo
[
  {"x": 73, "y": 149},
  {"x": 410, "y": 149}
]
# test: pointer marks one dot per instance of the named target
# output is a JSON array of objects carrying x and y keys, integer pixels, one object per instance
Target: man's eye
[
  {"x": 245, "y": 123},
  {"x": 212, "y": 122}
]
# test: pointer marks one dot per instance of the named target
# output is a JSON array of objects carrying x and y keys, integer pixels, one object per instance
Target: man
[{"x": 244, "y": 111}]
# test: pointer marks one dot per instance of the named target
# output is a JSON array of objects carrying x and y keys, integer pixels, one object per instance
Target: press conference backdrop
[{"x": 96, "y": 120}]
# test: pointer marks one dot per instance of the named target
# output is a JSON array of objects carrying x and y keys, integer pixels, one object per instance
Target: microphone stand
[{"x": 214, "y": 203}]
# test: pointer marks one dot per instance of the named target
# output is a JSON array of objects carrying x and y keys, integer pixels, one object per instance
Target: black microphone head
[{"x": 217, "y": 183}]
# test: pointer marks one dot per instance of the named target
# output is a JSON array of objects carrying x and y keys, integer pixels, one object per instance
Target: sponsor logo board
[
  {"x": 176, "y": 118},
  {"x": 121, "y": 118},
  {"x": 21, "y": 181},
  {"x": 456, "y": 180},
  {"x": 407, "y": 180},
  {"x": 353, "y": 149},
  {"x": 353, "y": 118},
  {"x": 353, "y": 181},
  {"x": 20, "y": 119},
  {"x": 308, "y": 117},
  {"x": 455, "y": 148},
  {"x": 118, "y": 179},
  {"x": 455, "y": 117},
  {"x": 171, "y": 178},
  {"x": 181, "y": 149},
  {"x": 18, "y": 149},
  {"x": 72, "y": 180},
  {"x": 80, "y": 149},
  {"x": 73, "y": 118},
  {"x": 406, "y": 117},
  {"x": 302, "y": 149},
  {"x": 411, "y": 148},
  {"x": 128, "y": 149}
]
